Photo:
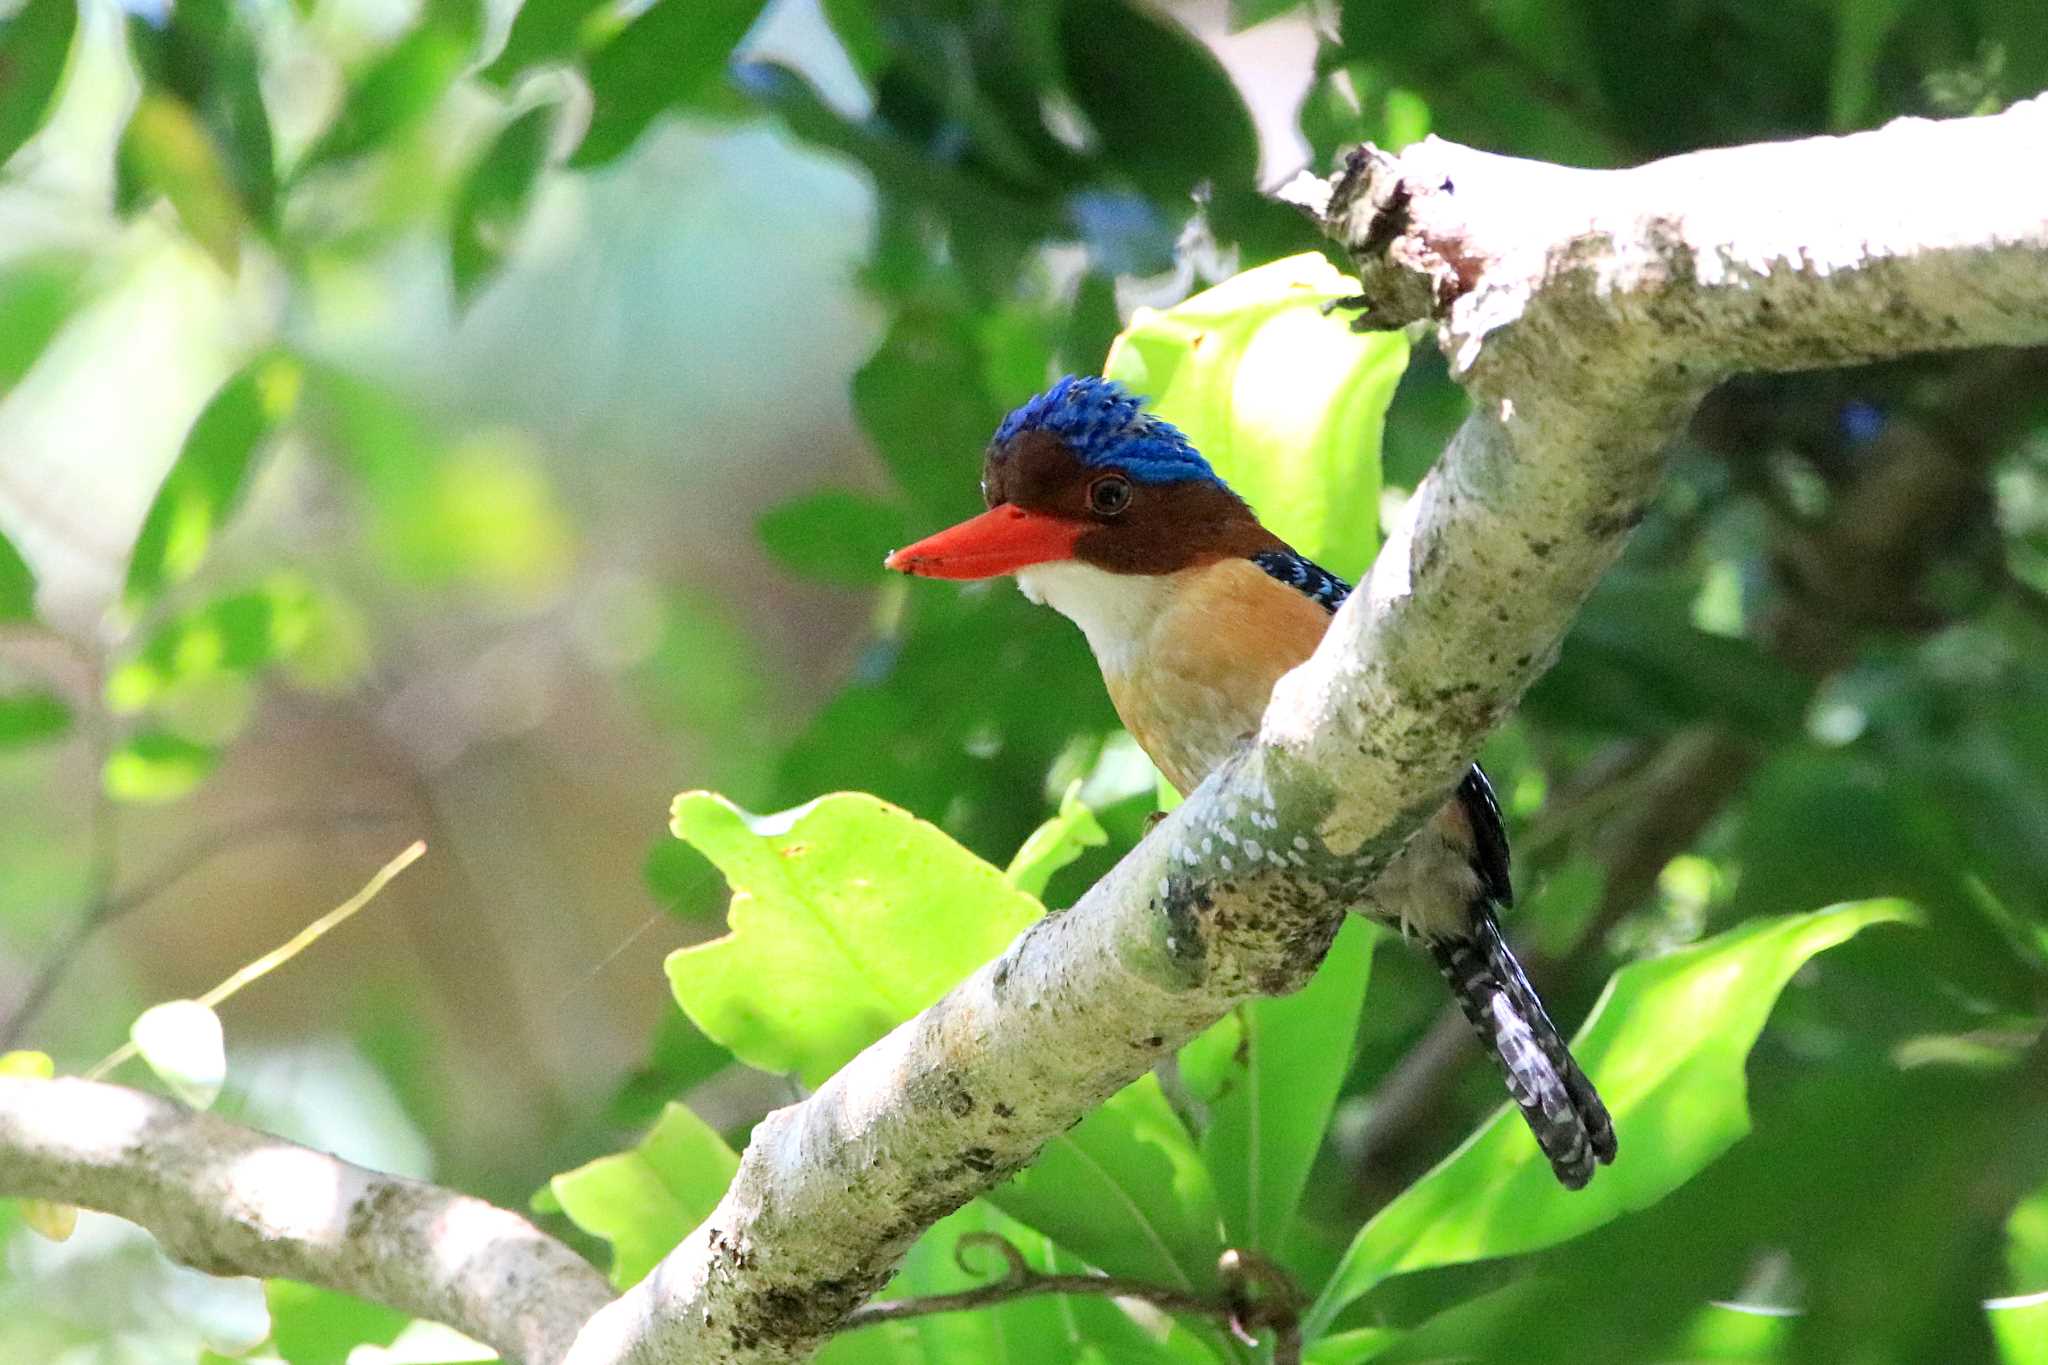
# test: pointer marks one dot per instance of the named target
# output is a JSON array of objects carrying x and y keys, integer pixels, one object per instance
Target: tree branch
[
  {"x": 1586, "y": 312},
  {"x": 231, "y": 1201}
]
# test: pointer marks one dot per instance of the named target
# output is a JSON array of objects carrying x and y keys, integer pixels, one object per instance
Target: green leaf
[
  {"x": 1056, "y": 843},
  {"x": 860, "y": 32},
  {"x": 157, "y": 766},
  {"x": 1286, "y": 402},
  {"x": 165, "y": 150},
  {"x": 1126, "y": 1191},
  {"x": 494, "y": 199},
  {"x": 181, "y": 1042},
  {"x": 314, "y": 1326},
  {"x": 834, "y": 535},
  {"x": 201, "y": 491},
  {"x": 200, "y": 134},
  {"x": 2020, "y": 1327},
  {"x": 932, "y": 447},
  {"x": 17, "y": 584},
  {"x": 238, "y": 633},
  {"x": 1634, "y": 661},
  {"x": 549, "y": 31},
  {"x": 404, "y": 85},
  {"x": 1246, "y": 13},
  {"x": 646, "y": 1200},
  {"x": 1190, "y": 129},
  {"x": 36, "y": 39},
  {"x": 848, "y": 916},
  {"x": 1666, "y": 1046},
  {"x": 1271, "y": 1099},
  {"x": 38, "y": 295},
  {"x": 1049, "y": 1329},
  {"x": 664, "y": 58}
]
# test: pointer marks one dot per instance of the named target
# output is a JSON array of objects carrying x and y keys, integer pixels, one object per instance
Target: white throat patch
[{"x": 1117, "y": 612}]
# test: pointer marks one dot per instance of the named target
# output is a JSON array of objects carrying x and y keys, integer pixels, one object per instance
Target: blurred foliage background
[{"x": 479, "y": 422}]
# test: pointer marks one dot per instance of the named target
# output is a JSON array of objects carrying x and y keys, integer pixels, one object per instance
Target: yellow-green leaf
[
  {"x": 211, "y": 470},
  {"x": 1286, "y": 401},
  {"x": 1056, "y": 843},
  {"x": 646, "y": 1200},
  {"x": 848, "y": 916}
]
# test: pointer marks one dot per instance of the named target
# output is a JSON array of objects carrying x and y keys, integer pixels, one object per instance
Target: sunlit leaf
[
  {"x": 157, "y": 766},
  {"x": 36, "y": 39},
  {"x": 166, "y": 151},
  {"x": 17, "y": 584},
  {"x": 314, "y": 1326},
  {"x": 848, "y": 916},
  {"x": 1286, "y": 402},
  {"x": 834, "y": 535},
  {"x": 238, "y": 633},
  {"x": 1126, "y": 1191},
  {"x": 199, "y": 134},
  {"x": 1724, "y": 1332},
  {"x": 1353, "y": 1347},
  {"x": 1666, "y": 1046},
  {"x": 1056, "y": 843},
  {"x": 2020, "y": 1327},
  {"x": 493, "y": 201},
  {"x": 34, "y": 1066},
  {"x": 181, "y": 1041},
  {"x": 38, "y": 295},
  {"x": 663, "y": 59},
  {"x": 30, "y": 717},
  {"x": 646, "y": 1200},
  {"x": 1270, "y": 1095},
  {"x": 404, "y": 85},
  {"x": 206, "y": 482}
]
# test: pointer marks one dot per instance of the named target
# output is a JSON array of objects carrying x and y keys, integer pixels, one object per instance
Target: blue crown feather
[{"x": 1103, "y": 424}]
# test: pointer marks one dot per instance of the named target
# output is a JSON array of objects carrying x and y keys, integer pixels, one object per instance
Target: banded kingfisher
[{"x": 1108, "y": 514}]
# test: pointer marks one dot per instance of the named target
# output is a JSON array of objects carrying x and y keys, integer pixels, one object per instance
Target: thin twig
[
  {"x": 287, "y": 950},
  {"x": 106, "y": 907},
  {"x": 1256, "y": 1294}
]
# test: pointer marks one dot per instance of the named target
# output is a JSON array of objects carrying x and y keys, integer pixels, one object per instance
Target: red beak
[{"x": 1001, "y": 540}]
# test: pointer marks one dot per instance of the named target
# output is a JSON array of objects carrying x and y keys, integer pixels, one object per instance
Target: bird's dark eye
[{"x": 1109, "y": 495}]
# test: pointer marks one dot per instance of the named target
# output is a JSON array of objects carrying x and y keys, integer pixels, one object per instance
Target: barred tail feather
[{"x": 1562, "y": 1109}]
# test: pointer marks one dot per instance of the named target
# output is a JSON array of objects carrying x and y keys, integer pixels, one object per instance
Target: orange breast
[{"x": 1202, "y": 682}]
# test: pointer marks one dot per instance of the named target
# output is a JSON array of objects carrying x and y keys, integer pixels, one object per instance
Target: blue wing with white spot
[{"x": 1305, "y": 576}]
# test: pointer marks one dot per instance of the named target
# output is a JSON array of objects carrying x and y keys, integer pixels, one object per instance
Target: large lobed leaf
[
  {"x": 848, "y": 916},
  {"x": 1284, "y": 399},
  {"x": 1666, "y": 1045}
]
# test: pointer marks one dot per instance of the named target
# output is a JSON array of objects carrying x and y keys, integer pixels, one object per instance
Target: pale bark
[{"x": 231, "y": 1201}]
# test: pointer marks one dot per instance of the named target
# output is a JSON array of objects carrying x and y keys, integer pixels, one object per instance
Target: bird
[{"x": 1106, "y": 512}]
